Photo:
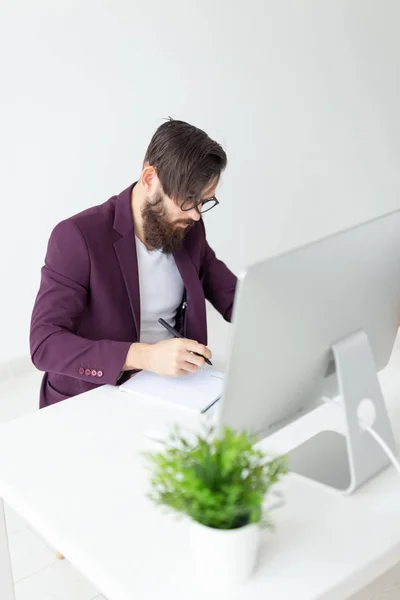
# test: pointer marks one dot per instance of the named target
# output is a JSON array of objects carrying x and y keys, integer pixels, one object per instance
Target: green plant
[{"x": 219, "y": 481}]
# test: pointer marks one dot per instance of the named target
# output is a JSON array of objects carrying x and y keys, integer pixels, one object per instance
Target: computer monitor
[{"x": 328, "y": 311}]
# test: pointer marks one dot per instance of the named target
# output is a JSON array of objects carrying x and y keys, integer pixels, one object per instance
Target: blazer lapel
[
  {"x": 125, "y": 249},
  {"x": 196, "y": 308}
]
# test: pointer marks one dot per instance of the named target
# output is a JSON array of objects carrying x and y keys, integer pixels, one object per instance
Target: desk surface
[{"x": 75, "y": 472}]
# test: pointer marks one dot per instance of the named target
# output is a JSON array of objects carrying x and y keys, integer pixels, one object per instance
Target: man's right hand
[{"x": 170, "y": 357}]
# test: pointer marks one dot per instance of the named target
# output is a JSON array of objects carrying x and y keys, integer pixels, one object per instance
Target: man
[{"x": 113, "y": 270}]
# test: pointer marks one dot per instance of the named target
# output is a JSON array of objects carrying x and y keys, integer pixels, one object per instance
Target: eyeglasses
[{"x": 202, "y": 206}]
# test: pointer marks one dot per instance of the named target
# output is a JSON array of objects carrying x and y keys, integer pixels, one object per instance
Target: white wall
[{"x": 303, "y": 94}]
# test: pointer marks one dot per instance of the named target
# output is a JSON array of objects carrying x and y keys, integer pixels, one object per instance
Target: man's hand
[{"x": 170, "y": 357}]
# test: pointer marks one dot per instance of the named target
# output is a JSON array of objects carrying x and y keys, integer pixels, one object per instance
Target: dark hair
[{"x": 185, "y": 158}]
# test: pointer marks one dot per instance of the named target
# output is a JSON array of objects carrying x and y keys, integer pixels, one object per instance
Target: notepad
[{"x": 195, "y": 391}]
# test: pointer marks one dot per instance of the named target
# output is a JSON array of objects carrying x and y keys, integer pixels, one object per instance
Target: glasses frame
[{"x": 199, "y": 206}]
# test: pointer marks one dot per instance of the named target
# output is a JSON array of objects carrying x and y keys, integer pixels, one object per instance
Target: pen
[{"x": 176, "y": 334}]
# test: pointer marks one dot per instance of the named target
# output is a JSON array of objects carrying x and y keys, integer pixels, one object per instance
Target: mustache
[{"x": 188, "y": 222}]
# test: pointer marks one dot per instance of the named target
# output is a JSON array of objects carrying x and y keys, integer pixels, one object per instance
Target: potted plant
[{"x": 220, "y": 483}]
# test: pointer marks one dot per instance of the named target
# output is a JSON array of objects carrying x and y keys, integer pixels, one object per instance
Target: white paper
[{"x": 194, "y": 391}]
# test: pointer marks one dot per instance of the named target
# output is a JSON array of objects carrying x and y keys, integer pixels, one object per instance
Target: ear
[{"x": 149, "y": 178}]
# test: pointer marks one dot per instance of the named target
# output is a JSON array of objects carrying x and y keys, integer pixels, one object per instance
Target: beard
[{"x": 159, "y": 232}]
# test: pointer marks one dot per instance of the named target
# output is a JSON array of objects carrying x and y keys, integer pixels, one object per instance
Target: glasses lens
[
  {"x": 208, "y": 205},
  {"x": 188, "y": 204},
  {"x": 202, "y": 207}
]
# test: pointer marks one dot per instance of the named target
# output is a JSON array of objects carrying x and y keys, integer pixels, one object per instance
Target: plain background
[{"x": 304, "y": 96}]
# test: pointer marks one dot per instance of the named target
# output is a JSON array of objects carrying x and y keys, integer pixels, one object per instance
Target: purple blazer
[{"x": 87, "y": 311}]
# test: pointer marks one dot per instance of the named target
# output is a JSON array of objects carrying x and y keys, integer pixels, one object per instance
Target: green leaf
[{"x": 220, "y": 481}]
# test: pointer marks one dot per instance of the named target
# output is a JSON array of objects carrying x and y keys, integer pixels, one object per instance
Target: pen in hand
[{"x": 176, "y": 334}]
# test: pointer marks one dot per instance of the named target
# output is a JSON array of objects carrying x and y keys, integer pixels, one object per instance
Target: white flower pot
[{"x": 223, "y": 559}]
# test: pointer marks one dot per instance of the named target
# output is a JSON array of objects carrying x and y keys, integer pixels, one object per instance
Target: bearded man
[{"x": 112, "y": 271}]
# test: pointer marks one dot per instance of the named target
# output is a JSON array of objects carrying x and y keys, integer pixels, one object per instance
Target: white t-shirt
[{"x": 161, "y": 291}]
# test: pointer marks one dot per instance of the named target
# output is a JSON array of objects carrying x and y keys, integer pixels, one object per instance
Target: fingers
[
  {"x": 193, "y": 346},
  {"x": 183, "y": 356},
  {"x": 181, "y": 372},
  {"x": 192, "y": 363},
  {"x": 194, "y": 359},
  {"x": 188, "y": 367}
]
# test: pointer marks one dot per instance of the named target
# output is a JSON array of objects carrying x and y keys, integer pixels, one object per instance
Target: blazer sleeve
[
  {"x": 60, "y": 303},
  {"x": 219, "y": 283}
]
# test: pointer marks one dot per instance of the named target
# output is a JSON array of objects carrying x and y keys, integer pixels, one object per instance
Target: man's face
[{"x": 165, "y": 225}]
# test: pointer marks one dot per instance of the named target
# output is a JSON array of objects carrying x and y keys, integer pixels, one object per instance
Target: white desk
[{"x": 75, "y": 473}]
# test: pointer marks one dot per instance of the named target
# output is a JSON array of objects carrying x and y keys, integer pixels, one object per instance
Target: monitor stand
[{"x": 345, "y": 462}]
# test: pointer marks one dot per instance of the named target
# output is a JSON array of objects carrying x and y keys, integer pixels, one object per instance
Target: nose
[{"x": 193, "y": 214}]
